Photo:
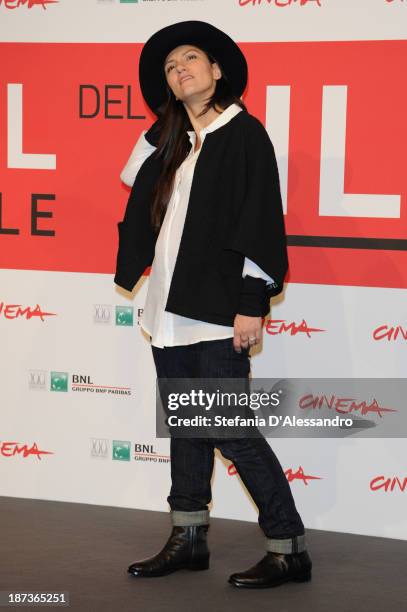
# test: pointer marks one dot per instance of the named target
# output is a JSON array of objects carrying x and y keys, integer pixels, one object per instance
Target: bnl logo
[
  {"x": 121, "y": 450},
  {"x": 124, "y": 315},
  {"x": 59, "y": 381}
]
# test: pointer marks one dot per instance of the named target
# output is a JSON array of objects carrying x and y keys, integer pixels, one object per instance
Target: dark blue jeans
[{"x": 192, "y": 459}]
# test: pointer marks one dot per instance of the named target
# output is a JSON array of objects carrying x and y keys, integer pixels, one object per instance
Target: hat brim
[{"x": 152, "y": 79}]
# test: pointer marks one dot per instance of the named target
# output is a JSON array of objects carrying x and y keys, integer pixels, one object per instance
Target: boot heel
[
  {"x": 303, "y": 577},
  {"x": 199, "y": 564}
]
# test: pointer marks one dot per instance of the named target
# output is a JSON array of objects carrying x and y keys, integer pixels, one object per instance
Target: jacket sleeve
[
  {"x": 152, "y": 135},
  {"x": 253, "y": 298},
  {"x": 136, "y": 236},
  {"x": 253, "y": 269},
  {"x": 142, "y": 149},
  {"x": 259, "y": 230}
]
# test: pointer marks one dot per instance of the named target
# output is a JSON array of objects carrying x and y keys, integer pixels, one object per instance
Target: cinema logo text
[
  {"x": 343, "y": 405},
  {"x": 381, "y": 483},
  {"x": 279, "y": 326},
  {"x": 280, "y": 3},
  {"x": 388, "y": 332},
  {"x": 13, "y": 4},
  {"x": 15, "y": 311},
  {"x": 290, "y": 474},
  {"x": 300, "y": 475},
  {"x": 11, "y": 449}
]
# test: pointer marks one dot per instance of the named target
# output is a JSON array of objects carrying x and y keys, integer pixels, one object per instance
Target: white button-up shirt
[{"x": 167, "y": 328}]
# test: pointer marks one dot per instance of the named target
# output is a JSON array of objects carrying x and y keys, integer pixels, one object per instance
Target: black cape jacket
[{"x": 234, "y": 211}]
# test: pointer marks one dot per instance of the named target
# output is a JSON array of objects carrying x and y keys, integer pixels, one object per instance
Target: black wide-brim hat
[{"x": 201, "y": 34}]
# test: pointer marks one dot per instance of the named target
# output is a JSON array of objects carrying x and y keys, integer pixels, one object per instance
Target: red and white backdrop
[{"x": 328, "y": 80}]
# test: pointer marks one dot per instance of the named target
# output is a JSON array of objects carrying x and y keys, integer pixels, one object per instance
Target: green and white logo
[
  {"x": 59, "y": 381},
  {"x": 121, "y": 450},
  {"x": 124, "y": 315}
]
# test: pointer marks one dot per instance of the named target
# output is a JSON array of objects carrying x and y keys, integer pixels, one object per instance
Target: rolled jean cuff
[
  {"x": 182, "y": 518},
  {"x": 286, "y": 546}
]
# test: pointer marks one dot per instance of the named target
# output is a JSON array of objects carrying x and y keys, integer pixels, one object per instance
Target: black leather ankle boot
[
  {"x": 275, "y": 569},
  {"x": 186, "y": 548}
]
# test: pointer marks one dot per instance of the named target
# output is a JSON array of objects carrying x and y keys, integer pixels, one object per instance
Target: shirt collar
[{"x": 223, "y": 118}]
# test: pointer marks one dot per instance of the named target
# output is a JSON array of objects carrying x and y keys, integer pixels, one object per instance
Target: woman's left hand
[{"x": 247, "y": 331}]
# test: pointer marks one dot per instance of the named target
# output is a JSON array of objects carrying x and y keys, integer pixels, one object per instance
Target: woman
[{"x": 205, "y": 212}]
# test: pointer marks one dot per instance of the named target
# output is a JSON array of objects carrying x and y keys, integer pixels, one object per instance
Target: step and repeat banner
[{"x": 327, "y": 78}]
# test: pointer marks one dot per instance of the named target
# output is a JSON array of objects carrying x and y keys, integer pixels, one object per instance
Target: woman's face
[{"x": 190, "y": 74}]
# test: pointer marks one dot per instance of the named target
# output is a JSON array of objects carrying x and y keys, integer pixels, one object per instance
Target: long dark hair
[{"x": 173, "y": 145}]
